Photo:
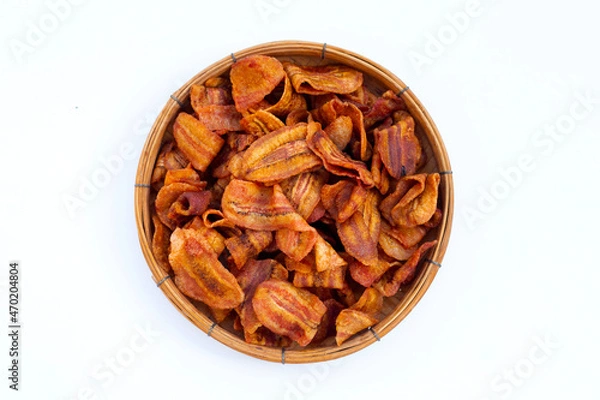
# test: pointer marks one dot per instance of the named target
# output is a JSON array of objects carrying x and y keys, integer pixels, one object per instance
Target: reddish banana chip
[
  {"x": 349, "y": 322},
  {"x": 370, "y": 302},
  {"x": 321, "y": 258},
  {"x": 195, "y": 262},
  {"x": 342, "y": 199},
  {"x": 264, "y": 337},
  {"x": 304, "y": 190},
  {"x": 398, "y": 147},
  {"x": 253, "y": 206},
  {"x": 331, "y": 110},
  {"x": 214, "y": 239},
  {"x": 306, "y": 265},
  {"x": 392, "y": 247},
  {"x": 287, "y": 310},
  {"x": 294, "y": 244},
  {"x": 406, "y": 237},
  {"x": 170, "y": 157},
  {"x": 327, "y": 326},
  {"x": 279, "y": 272},
  {"x": 289, "y": 101},
  {"x": 360, "y": 233},
  {"x": 333, "y": 159},
  {"x": 221, "y": 119},
  {"x": 340, "y": 131},
  {"x": 166, "y": 203},
  {"x": 298, "y": 116},
  {"x": 253, "y": 274},
  {"x": 276, "y": 156},
  {"x": 362, "y": 98},
  {"x": 366, "y": 275},
  {"x": 239, "y": 141},
  {"x": 325, "y": 256},
  {"x": 435, "y": 220},
  {"x": 317, "y": 213},
  {"x": 360, "y": 316},
  {"x": 253, "y": 78},
  {"x": 199, "y": 144},
  {"x": 217, "y": 82},
  {"x": 383, "y": 108},
  {"x": 201, "y": 95},
  {"x": 381, "y": 177},
  {"x": 219, "y": 315},
  {"x": 215, "y": 219},
  {"x": 249, "y": 245},
  {"x": 261, "y": 123},
  {"x": 214, "y": 108},
  {"x": 185, "y": 175},
  {"x": 160, "y": 244},
  {"x": 188, "y": 204},
  {"x": 413, "y": 202},
  {"x": 332, "y": 278},
  {"x": 391, "y": 281},
  {"x": 324, "y": 79}
]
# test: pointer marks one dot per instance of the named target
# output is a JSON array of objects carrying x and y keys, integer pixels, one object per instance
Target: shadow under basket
[{"x": 396, "y": 308}]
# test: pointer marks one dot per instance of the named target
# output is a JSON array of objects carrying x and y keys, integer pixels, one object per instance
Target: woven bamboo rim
[{"x": 377, "y": 78}]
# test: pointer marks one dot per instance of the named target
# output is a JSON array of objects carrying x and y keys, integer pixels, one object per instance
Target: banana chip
[{"x": 324, "y": 79}]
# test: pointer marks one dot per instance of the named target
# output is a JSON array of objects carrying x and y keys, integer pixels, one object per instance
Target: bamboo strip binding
[{"x": 378, "y": 79}]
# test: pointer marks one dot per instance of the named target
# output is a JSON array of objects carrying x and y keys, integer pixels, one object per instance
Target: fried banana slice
[
  {"x": 254, "y": 273},
  {"x": 331, "y": 110},
  {"x": 398, "y": 147},
  {"x": 253, "y": 78},
  {"x": 161, "y": 243},
  {"x": 391, "y": 281},
  {"x": 199, "y": 144},
  {"x": 414, "y": 202},
  {"x": 304, "y": 190},
  {"x": 383, "y": 108},
  {"x": 323, "y": 79},
  {"x": 260, "y": 123},
  {"x": 247, "y": 246},
  {"x": 334, "y": 160},
  {"x": 199, "y": 274},
  {"x": 287, "y": 310},
  {"x": 342, "y": 199},
  {"x": 360, "y": 233},
  {"x": 294, "y": 244},
  {"x": 359, "y": 316},
  {"x": 276, "y": 156},
  {"x": 258, "y": 207}
]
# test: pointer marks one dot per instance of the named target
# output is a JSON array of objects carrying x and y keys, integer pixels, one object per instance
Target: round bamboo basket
[{"x": 396, "y": 308}]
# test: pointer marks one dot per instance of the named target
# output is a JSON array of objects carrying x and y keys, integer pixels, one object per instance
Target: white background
[{"x": 520, "y": 269}]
